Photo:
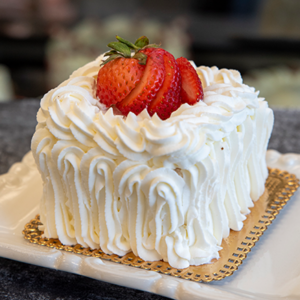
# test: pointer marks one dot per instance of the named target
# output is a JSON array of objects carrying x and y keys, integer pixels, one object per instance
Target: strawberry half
[
  {"x": 191, "y": 87},
  {"x": 149, "y": 85},
  {"x": 117, "y": 79},
  {"x": 168, "y": 98}
]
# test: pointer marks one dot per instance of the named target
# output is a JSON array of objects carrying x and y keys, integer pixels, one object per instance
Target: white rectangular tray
[{"x": 269, "y": 272}]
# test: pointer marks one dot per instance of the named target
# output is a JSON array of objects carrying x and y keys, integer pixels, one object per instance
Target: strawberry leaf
[
  {"x": 129, "y": 44},
  {"x": 112, "y": 52},
  {"x": 120, "y": 47},
  {"x": 114, "y": 56},
  {"x": 142, "y": 41},
  {"x": 124, "y": 48},
  {"x": 141, "y": 57},
  {"x": 152, "y": 46}
]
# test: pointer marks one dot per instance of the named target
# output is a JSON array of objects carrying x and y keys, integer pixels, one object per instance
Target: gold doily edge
[{"x": 280, "y": 187}]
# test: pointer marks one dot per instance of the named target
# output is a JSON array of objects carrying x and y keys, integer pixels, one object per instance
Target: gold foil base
[{"x": 280, "y": 186}]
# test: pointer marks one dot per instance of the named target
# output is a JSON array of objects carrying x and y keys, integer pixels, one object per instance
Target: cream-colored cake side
[{"x": 167, "y": 190}]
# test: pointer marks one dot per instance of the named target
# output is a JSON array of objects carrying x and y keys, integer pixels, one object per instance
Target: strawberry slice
[
  {"x": 168, "y": 98},
  {"x": 117, "y": 79},
  {"x": 191, "y": 89},
  {"x": 149, "y": 84},
  {"x": 141, "y": 76}
]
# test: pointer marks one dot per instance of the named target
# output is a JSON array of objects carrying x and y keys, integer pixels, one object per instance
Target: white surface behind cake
[{"x": 166, "y": 190}]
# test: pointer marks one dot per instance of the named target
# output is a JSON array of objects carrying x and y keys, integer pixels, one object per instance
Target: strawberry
[
  {"x": 141, "y": 76},
  {"x": 191, "y": 87},
  {"x": 148, "y": 86},
  {"x": 117, "y": 78},
  {"x": 168, "y": 98}
]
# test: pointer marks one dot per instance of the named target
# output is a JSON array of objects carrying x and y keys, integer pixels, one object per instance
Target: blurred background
[{"x": 43, "y": 41}]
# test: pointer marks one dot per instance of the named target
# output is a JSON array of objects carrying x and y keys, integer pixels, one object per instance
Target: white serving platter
[{"x": 271, "y": 270}]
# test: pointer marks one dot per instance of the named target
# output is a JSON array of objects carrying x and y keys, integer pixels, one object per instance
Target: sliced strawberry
[
  {"x": 191, "y": 89},
  {"x": 117, "y": 79},
  {"x": 141, "y": 76},
  {"x": 149, "y": 85},
  {"x": 168, "y": 98}
]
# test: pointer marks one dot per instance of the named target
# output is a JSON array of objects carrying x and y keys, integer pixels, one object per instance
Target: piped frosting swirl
[{"x": 166, "y": 190}]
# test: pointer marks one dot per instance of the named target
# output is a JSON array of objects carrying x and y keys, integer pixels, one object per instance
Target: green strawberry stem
[
  {"x": 129, "y": 44},
  {"x": 124, "y": 48}
]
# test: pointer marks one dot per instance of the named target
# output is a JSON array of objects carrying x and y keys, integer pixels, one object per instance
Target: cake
[{"x": 167, "y": 189}]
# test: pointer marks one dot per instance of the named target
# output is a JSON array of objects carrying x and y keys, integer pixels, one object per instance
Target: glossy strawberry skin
[
  {"x": 149, "y": 84},
  {"x": 191, "y": 87},
  {"x": 117, "y": 79},
  {"x": 168, "y": 97}
]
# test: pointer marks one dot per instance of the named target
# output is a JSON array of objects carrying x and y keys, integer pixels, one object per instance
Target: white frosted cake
[{"x": 165, "y": 189}]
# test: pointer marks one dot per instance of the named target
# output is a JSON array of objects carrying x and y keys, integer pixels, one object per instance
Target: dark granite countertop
[{"x": 22, "y": 281}]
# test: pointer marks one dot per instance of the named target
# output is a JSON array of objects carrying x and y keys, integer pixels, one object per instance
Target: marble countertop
[{"x": 23, "y": 281}]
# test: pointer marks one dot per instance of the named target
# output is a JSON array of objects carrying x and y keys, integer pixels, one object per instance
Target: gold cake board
[{"x": 280, "y": 186}]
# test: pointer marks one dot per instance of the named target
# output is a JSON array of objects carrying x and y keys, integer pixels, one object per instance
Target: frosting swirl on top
[{"x": 167, "y": 189}]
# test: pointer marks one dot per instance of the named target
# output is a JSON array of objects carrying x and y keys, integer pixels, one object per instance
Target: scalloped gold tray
[{"x": 280, "y": 186}]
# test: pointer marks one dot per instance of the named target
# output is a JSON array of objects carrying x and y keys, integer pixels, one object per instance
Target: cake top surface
[{"x": 73, "y": 111}]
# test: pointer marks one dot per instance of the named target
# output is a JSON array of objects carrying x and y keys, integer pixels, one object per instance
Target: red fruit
[
  {"x": 191, "y": 87},
  {"x": 117, "y": 79},
  {"x": 140, "y": 76},
  {"x": 149, "y": 84},
  {"x": 168, "y": 98}
]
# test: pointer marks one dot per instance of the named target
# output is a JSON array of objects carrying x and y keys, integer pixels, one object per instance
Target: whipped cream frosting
[{"x": 168, "y": 190}]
